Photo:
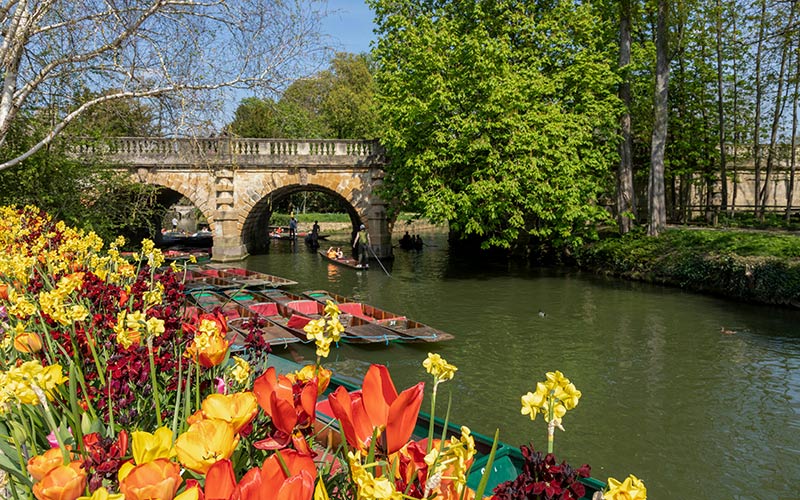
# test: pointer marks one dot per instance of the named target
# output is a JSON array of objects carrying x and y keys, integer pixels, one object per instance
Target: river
[{"x": 695, "y": 412}]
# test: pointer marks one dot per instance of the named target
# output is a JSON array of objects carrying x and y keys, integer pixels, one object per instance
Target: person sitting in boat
[
  {"x": 331, "y": 253},
  {"x": 406, "y": 242},
  {"x": 339, "y": 253},
  {"x": 360, "y": 245}
]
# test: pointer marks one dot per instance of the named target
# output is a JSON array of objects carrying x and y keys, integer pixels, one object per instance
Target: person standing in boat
[
  {"x": 360, "y": 243},
  {"x": 292, "y": 228}
]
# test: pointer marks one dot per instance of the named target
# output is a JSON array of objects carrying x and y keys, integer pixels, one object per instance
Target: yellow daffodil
[
  {"x": 240, "y": 372},
  {"x": 439, "y": 367},
  {"x": 154, "y": 327},
  {"x": 632, "y": 488},
  {"x": 148, "y": 447}
]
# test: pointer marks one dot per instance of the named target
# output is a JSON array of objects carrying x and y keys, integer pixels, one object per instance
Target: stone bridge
[{"x": 234, "y": 181}]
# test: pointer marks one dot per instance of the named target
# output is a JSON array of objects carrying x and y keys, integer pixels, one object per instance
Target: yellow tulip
[
  {"x": 102, "y": 494},
  {"x": 204, "y": 443},
  {"x": 238, "y": 409},
  {"x": 148, "y": 447}
]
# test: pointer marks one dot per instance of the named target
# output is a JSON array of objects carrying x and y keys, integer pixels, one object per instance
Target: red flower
[
  {"x": 290, "y": 406},
  {"x": 377, "y": 406}
]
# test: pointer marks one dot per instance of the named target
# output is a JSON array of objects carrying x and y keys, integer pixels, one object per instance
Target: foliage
[
  {"x": 85, "y": 195},
  {"x": 336, "y": 103},
  {"x": 498, "y": 118},
  {"x": 543, "y": 478},
  {"x": 752, "y": 266}
]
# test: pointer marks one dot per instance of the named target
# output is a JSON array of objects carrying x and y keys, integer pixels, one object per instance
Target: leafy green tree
[
  {"x": 337, "y": 103},
  {"x": 256, "y": 117},
  {"x": 499, "y": 116},
  {"x": 349, "y": 106}
]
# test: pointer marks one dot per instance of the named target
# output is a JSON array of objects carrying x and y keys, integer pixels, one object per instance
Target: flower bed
[{"x": 111, "y": 386}]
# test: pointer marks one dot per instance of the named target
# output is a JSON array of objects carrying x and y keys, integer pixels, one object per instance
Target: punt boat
[
  {"x": 407, "y": 330},
  {"x": 244, "y": 277},
  {"x": 344, "y": 261},
  {"x": 242, "y": 320}
]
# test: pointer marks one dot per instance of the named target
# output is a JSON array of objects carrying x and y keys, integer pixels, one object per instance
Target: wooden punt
[
  {"x": 245, "y": 277},
  {"x": 407, "y": 330},
  {"x": 196, "y": 281},
  {"x": 242, "y": 320},
  {"x": 344, "y": 261},
  {"x": 298, "y": 311}
]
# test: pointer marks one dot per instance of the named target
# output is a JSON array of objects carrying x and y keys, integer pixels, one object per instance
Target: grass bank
[{"x": 754, "y": 266}]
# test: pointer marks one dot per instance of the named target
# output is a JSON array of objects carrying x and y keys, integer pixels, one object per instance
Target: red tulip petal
[
  {"x": 220, "y": 481},
  {"x": 298, "y": 487},
  {"x": 308, "y": 400},
  {"x": 341, "y": 406},
  {"x": 379, "y": 393},
  {"x": 250, "y": 485},
  {"x": 277, "y": 441},
  {"x": 403, "y": 417},
  {"x": 263, "y": 387},
  {"x": 284, "y": 417},
  {"x": 298, "y": 462}
]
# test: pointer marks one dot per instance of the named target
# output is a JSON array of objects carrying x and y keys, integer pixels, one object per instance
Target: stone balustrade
[{"x": 165, "y": 151}]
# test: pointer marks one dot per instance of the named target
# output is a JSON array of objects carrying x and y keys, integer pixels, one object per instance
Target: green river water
[{"x": 694, "y": 412}]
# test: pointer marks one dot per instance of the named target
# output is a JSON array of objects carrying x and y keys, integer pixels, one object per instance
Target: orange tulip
[
  {"x": 65, "y": 482},
  {"x": 28, "y": 342},
  {"x": 40, "y": 465},
  {"x": 272, "y": 483},
  {"x": 378, "y": 406},
  {"x": 3, "y": 291},
  {"x": 237, "y": 409},
  {"x": 275, "y": 394},
  {"x": 204, "y": 443},
  {"x": 157, "y": 479},
  {"x": 221, "y": 481}
]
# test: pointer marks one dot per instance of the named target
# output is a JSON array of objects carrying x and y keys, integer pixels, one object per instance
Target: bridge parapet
[{"x": 224, "y": 150}]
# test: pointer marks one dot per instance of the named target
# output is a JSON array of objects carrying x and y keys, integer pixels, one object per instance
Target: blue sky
[{"x": 349, "y": 25}]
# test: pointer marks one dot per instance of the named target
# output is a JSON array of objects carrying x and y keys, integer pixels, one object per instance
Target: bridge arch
[
  {"x": 255, "y": 235},
  {"x": 228, "y": 179}
]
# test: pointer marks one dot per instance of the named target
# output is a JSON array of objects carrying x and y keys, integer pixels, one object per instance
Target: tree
[
  {"x": 349, "y": 106},
  {"x": 176, "y": 50},
  {"x": 655, "y": 193},
  {"x": 626, "y": 202},
  {"x": 256, "y": 117},
  {"x": 499, "y": 117}
]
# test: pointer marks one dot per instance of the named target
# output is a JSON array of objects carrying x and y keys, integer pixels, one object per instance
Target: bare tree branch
[{"x": 165, "y": 49}]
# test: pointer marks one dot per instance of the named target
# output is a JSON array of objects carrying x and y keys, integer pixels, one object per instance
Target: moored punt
[
  {"x": 408, "y": 330},
  {"x": 508, "y": 461},
  {"x": 245, "y": 277},
  {"x": 344, "y": 261},
  {"x": 355, "y": 332},
  {"x": 200, "y": 282},
  {"x": 242, "y": 320}
]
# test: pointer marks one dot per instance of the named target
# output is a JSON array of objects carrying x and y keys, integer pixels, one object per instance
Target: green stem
[
  {"x": 51, "y": 422},
  {"x": 153, "y": 379},
  {"x": 551, "y": 427},
  {"x": 433, "y": 411}
]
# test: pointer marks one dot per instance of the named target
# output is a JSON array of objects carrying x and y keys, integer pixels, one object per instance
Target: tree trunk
[
  {"x": 656, "y": 202},
  {"x": 735, "y": 118},
  {"x": 757, "y": 118},
  {"x": 793, "y": 161},
  {"x": 723, "y": 174},
  {"x": 626, "y": 203},
  {"x": 776, "y": 116}
]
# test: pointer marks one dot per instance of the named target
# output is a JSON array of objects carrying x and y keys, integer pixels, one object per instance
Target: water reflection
[{"x": 667, "y": 396}]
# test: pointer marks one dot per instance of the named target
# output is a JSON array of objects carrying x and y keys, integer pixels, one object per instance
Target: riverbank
[{"x": 753, "y": 266}]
